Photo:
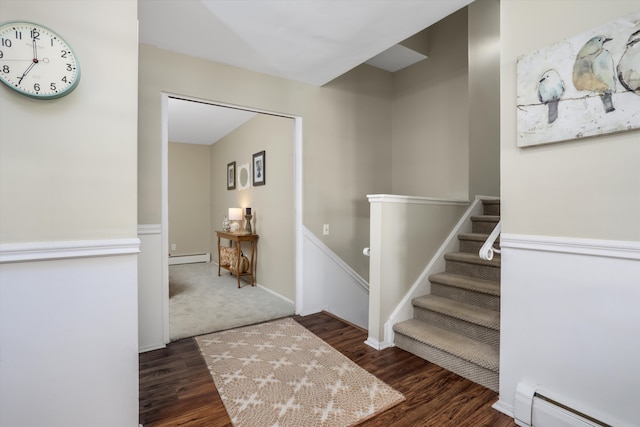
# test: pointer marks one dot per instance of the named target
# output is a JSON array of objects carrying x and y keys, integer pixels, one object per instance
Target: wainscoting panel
[
  {"x": 570, "y": 322},
  {"x": 331, "y": 285},
  {"x": 68, "y": 334}
]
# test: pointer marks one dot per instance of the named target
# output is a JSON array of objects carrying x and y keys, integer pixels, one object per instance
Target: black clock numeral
[
  {"x": 64, "y": 79},
  {"x": 36, "y": 87},
  {"x": 5, "y": 69},
  {"x": 6, "y": 42},
  {"x": 18, "y": 35},
  {"x": 63, "y": 54},
  {"x": 35, "y": 34},
  {"x": 52, "y": 86},
  {"x": 1, "y": 54},
  {"x": 70, "y": 67}
]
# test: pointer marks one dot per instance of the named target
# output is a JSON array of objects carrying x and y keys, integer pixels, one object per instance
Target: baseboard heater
[
  {"x": 189, "y": 259},
  {"x": 533, "y": 408}
]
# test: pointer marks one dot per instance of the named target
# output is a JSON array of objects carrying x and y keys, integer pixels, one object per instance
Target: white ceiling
[
  {"x": 197, "y": 123},
  {"x": 310, "y": 41}
]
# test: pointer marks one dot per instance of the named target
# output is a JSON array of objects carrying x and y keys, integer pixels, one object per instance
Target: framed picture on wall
[
  {"x": 259, "y": 169},
  {"x": 231, "y": 176}
]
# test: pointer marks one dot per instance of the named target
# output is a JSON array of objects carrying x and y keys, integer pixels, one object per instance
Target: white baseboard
[
  {"x": 374, "y": 343},
  {"x": 276, "y": 294},
  {"x": 503, "y": 407},
  {"x": 146, "y": 348},
  {"x": 189, "y": 259}
]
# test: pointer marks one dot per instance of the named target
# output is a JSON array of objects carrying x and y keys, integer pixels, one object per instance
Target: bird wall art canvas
[{"x": 584, "y": 86}]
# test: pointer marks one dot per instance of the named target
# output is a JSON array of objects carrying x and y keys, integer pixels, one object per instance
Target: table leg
[
  {"x": 253, "y": 279},
  {"x": 219, "y": 255},
  {"x": 238, "y": 263}
]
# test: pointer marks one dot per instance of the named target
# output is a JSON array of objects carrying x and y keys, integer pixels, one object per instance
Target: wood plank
[{"x": 176, "y": 388}]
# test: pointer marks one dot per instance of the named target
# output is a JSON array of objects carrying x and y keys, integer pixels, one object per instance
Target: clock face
[{"x": 37, "y": 62}]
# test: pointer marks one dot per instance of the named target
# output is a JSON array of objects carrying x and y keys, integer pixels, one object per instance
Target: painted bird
[
  {"x": 550, "y": 89},
  {"x": 594, "y": 71},
  {"x": 629, "y": 65}
]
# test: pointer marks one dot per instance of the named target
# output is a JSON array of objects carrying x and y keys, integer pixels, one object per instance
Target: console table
[{"x": 238, "y": 238}]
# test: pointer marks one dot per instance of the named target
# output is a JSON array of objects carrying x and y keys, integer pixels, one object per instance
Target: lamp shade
[{"x": 235, "y": 214}]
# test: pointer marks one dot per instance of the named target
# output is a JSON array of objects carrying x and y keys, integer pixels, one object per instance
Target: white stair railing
[{"x": 487, "y": 250}]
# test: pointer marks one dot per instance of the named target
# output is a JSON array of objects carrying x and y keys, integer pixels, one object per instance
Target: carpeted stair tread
[
  {"x": 473, "y": 258},
  {"x": 488, "y": 287},
  {"x": 465, "y": 348},
  {"x": 459, "y": 310}
]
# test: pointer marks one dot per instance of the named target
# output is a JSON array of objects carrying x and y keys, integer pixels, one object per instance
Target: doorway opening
[{"x": 223, "y": 198}]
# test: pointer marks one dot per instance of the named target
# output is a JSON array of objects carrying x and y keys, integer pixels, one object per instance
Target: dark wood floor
[{"x": 177, "y": 390}]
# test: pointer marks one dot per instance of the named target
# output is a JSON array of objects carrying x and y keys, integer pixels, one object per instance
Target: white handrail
[{"x": 487, "y": 250}]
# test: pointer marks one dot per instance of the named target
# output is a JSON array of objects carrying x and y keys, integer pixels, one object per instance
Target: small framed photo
[
  {"x": 259, "y": 169},
  {"x": 231, "y": 176}
]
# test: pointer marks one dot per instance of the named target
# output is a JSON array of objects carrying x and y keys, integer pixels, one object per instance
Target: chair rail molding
[
  {"x": 395, "y": 198},
  {"x": 42, "y": 251},
  {"x": 569, "y": 245}
]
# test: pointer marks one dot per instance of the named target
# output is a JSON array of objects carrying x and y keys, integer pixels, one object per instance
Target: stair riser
[
  {"x": 470, "y": 246},
  {"x": 462, "y": 367},
  {"x": 491, "y": 209},
  {"x": 473, "y": 247},
  {"x": 476, "y": 332},
  {"x": 492, "y": 302},
  {"x": 473, "y": 270},
  {"x": 484, "y": 227}
]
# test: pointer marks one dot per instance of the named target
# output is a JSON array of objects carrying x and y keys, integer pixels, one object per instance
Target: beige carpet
[
  {"x": 279, "y": 374},
  {"x": 201, "y": 302}
]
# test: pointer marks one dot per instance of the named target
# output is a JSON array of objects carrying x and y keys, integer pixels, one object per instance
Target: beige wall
[
  {"x": 484, "y": 98},
  {"x": 430, "y": 117},
  {"x": 271, "y": 204},
  {"x": 586, "y": 188},
  {"x": 347, "y": 158},
  {"x": 68, "y": 166},
  {"x": 189, "y": 198},
  {"x": 346, "y": 137}
]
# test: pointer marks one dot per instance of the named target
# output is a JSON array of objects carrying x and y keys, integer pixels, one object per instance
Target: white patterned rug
[{"x": 279, "y": 374}]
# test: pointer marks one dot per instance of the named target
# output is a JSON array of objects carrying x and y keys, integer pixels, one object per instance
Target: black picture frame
[
  {"x": 259, "y": 169},
  {"x": 231, "y": 176}
]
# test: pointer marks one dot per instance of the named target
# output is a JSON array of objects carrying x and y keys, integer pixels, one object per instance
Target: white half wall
[
  {"x": 153, "y": 305},
  {"x": 331, "y": 285},
  {"x": 68, "y": 334},
  {"x": 570, "y": 324},
  {"x": 406, "y": 232}
]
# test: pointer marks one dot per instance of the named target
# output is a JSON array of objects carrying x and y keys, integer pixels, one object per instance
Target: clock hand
[
  {"x": 33, "y": 63},
  {"x": 35, "y": 50}
]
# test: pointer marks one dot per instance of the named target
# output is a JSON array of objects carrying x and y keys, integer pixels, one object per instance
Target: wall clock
[{"x": 36, "y": 61}]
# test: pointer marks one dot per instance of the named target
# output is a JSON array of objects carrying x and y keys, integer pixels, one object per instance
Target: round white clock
[{"x": 37, "y": 62}]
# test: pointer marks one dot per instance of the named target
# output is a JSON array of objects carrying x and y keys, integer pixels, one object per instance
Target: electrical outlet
[
  {"x": 325, "y": 230},
  {"x": 173, "y": 246}
]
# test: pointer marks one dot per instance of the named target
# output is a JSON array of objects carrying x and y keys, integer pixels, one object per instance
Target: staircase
[{"x": 457, "y": 326}]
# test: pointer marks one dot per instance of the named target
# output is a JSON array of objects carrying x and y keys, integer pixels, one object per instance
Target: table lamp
[{"x": 235, "y": 215}]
